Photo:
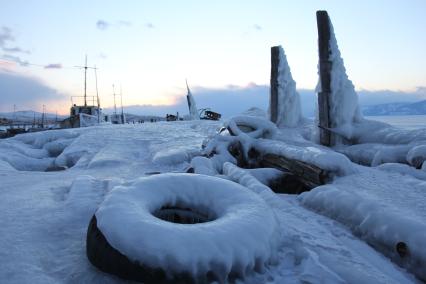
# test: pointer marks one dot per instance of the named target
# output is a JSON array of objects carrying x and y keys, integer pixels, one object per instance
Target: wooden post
[
  {"x": 273, "y": 99},
  {"x": 323, "y": 23}
]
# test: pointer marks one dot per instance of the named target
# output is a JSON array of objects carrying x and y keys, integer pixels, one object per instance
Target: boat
[{"x": 85, "y": 110}]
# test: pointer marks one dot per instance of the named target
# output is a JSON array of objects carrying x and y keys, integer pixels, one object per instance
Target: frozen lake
[{"x": 403, "y": 121}]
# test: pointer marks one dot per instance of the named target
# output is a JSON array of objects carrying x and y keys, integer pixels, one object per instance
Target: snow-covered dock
[{"x": 45, "y": 214}]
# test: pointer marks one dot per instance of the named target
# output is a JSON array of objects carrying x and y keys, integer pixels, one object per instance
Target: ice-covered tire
[
  {"x": 182, "y": 228},
  {"x": 252, "y": 126}
]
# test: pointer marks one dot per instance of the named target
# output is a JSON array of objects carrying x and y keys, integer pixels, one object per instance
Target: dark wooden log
[
  {"x": 323, "y": 23},
  {"x": 310, "y": 175},
  {"x": 237, "y": 151},
  {"x": 273, "y": 93}
]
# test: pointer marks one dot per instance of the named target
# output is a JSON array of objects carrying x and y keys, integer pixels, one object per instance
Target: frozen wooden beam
[
  {"x": 273, "y": 95},
  {"x": 310, "y": 175},
  {"x": 323, "y": 23}
]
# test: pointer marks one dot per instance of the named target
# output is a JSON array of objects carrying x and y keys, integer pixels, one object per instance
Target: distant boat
[
  {"x": 90, "y": 112},
  {"x": 194, "y": 113}
]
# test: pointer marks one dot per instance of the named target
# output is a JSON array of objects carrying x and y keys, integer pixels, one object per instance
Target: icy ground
[{"x": 44, "y": 215}]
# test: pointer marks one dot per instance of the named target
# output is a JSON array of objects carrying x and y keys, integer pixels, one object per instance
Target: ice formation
[
  {"x": 47, "y": 213},
  {"x": 383, "y": 208},
  {"x": 193, "y": 111},
  {"x": 289, "y": 109},
  {"x": 344, "y": 108}
]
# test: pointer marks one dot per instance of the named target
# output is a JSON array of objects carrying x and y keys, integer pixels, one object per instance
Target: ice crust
[
  {"x": 381, "y": 207},
  {"x": 45, "y": 214}
]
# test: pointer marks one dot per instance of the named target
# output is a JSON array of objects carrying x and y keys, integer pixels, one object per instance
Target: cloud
[
  {"x": 16, "y": 59},
  {"x": 232, "y": 100},
  {"x": 149, "y": 25},
  {"x": 53, "y": 66},
  {"x": 102, "y": 55},
  {"x": 124, "y": 23},
  {"x": 102, "y": 25},
  {"x": 257, "y": 27},
  {"x": 6, "y": 37},
  {"x": 15, "y": 49},
  {"x": 7, "y": 65},
  {"x": 26, "y": 92}
]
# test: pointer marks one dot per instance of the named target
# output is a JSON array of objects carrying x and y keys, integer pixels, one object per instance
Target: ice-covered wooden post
[
  {"x": 284, "y": 102},
  {"x": 323, "y": 23},
  {"x": 193, "y": 111},
  {"x": 275, "y": 62}
]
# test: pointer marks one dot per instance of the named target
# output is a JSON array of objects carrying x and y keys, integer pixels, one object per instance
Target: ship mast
[{"x": 85, "y": 67}]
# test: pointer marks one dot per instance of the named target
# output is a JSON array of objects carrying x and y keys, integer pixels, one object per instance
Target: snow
[
  {"x": 289, "y": 109},
  {"x": 241, "y": 237},
  {"x": 45, "y": 214}
]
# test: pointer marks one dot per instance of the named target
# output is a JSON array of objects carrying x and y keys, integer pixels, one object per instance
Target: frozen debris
[
  {"x": 203, "y": 165},
  {"x": 373, "y": 154},
  {"x": 312, "y": 253},
  {"x": 240, "y": 235},
  {"x": 266, "y": 175},
  {"x": 321, "y": 157},
  {"x": 383, "y": 208},
  {"x": 377, "y": 143},
  {"x": 234, "y": 148},
  {"x": 289, "y": 109},
  {"x": 35, "y": 151},
  {"x": 417, "y": 155},
  {"x": 254, "y": 127}
]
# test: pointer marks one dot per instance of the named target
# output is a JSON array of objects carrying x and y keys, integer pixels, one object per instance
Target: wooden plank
[
  {"x": 311, "y": 175},
  {"x": 323, "y": 24},
  {"x": 273, "y": 93}
]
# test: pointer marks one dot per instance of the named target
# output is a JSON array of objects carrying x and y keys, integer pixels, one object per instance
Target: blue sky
[{"x": 150, "y": 47}]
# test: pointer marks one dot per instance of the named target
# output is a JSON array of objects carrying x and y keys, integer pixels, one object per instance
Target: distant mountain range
[
  {"x": 30, "y": 116},
  {"x": 417, "y": 108},
  {"x": 407, "y": 108}
]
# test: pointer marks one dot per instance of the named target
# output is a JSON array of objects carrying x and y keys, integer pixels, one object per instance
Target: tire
[
  {"x": 182, "y": 228},
  {"x": 106, "y": 258}
]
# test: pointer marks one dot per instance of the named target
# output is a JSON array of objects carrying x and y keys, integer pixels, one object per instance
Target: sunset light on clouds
[{"x": 150, "y": 48}]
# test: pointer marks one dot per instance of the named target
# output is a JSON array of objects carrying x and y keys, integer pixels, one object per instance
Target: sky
[{"x": 149, "y": 48}]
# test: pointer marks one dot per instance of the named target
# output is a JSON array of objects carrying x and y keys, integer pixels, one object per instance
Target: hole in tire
[{"x": 183, "y": 215}]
